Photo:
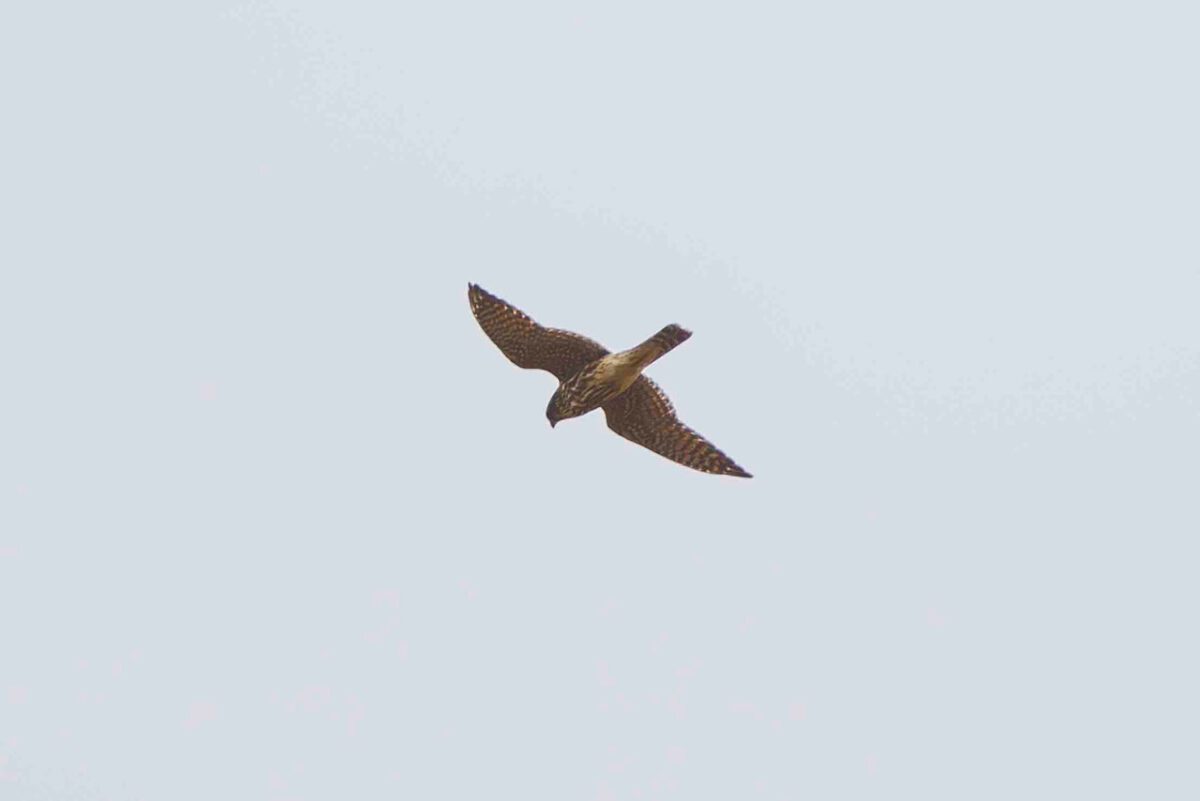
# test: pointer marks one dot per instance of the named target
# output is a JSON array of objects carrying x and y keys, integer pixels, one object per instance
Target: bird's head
[
  {"x": 569, "y": 400},
  {"x": 555, "y": 410}
]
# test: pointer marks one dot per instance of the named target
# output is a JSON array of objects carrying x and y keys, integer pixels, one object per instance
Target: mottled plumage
[{"x": 590, "y": 377}]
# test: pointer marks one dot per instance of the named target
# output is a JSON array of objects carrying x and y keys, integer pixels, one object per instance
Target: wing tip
[{"x": 477, "y": 296}]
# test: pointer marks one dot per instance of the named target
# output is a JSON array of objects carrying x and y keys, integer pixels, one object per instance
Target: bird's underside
[{"x": 635, "y": 407}]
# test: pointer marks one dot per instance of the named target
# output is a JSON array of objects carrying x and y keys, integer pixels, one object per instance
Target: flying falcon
[{"x": 590, "y": 378}]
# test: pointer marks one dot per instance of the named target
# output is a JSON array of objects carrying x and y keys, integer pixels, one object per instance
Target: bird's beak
[{"x": 553, "y": 423}]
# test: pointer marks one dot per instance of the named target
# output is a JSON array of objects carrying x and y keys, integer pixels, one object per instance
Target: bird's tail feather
[{"x": 661, "y": 343}]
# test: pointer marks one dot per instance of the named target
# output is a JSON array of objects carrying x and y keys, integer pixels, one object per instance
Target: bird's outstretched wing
[
  {"x": 527, "y": 344},
  {"x": 643, "y": 414}
]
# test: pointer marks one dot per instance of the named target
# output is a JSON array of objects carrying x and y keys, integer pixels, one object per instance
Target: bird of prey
[{"x": 590, "y": 377}]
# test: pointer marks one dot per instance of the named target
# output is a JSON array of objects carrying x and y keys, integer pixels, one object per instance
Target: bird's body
[
  {"x": 591, "y": 378},
  {"x": 598, "y": 382}
]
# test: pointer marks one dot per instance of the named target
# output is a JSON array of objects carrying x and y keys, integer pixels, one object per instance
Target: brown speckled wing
[
  {"x": 527, "y": 344},
  {"x": 643, "y": 414}
]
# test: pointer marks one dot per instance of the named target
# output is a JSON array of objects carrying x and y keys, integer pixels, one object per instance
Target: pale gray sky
[{"x": 278, "y": 522}]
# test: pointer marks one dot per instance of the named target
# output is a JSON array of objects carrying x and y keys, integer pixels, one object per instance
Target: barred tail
[{"x": 661, "y": 343}]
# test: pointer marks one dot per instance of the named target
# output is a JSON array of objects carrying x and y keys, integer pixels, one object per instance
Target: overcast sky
[{"x": 278, "y": 522}]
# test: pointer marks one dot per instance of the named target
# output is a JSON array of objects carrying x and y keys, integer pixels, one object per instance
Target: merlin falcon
[{"x": 590, "y": 377}]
